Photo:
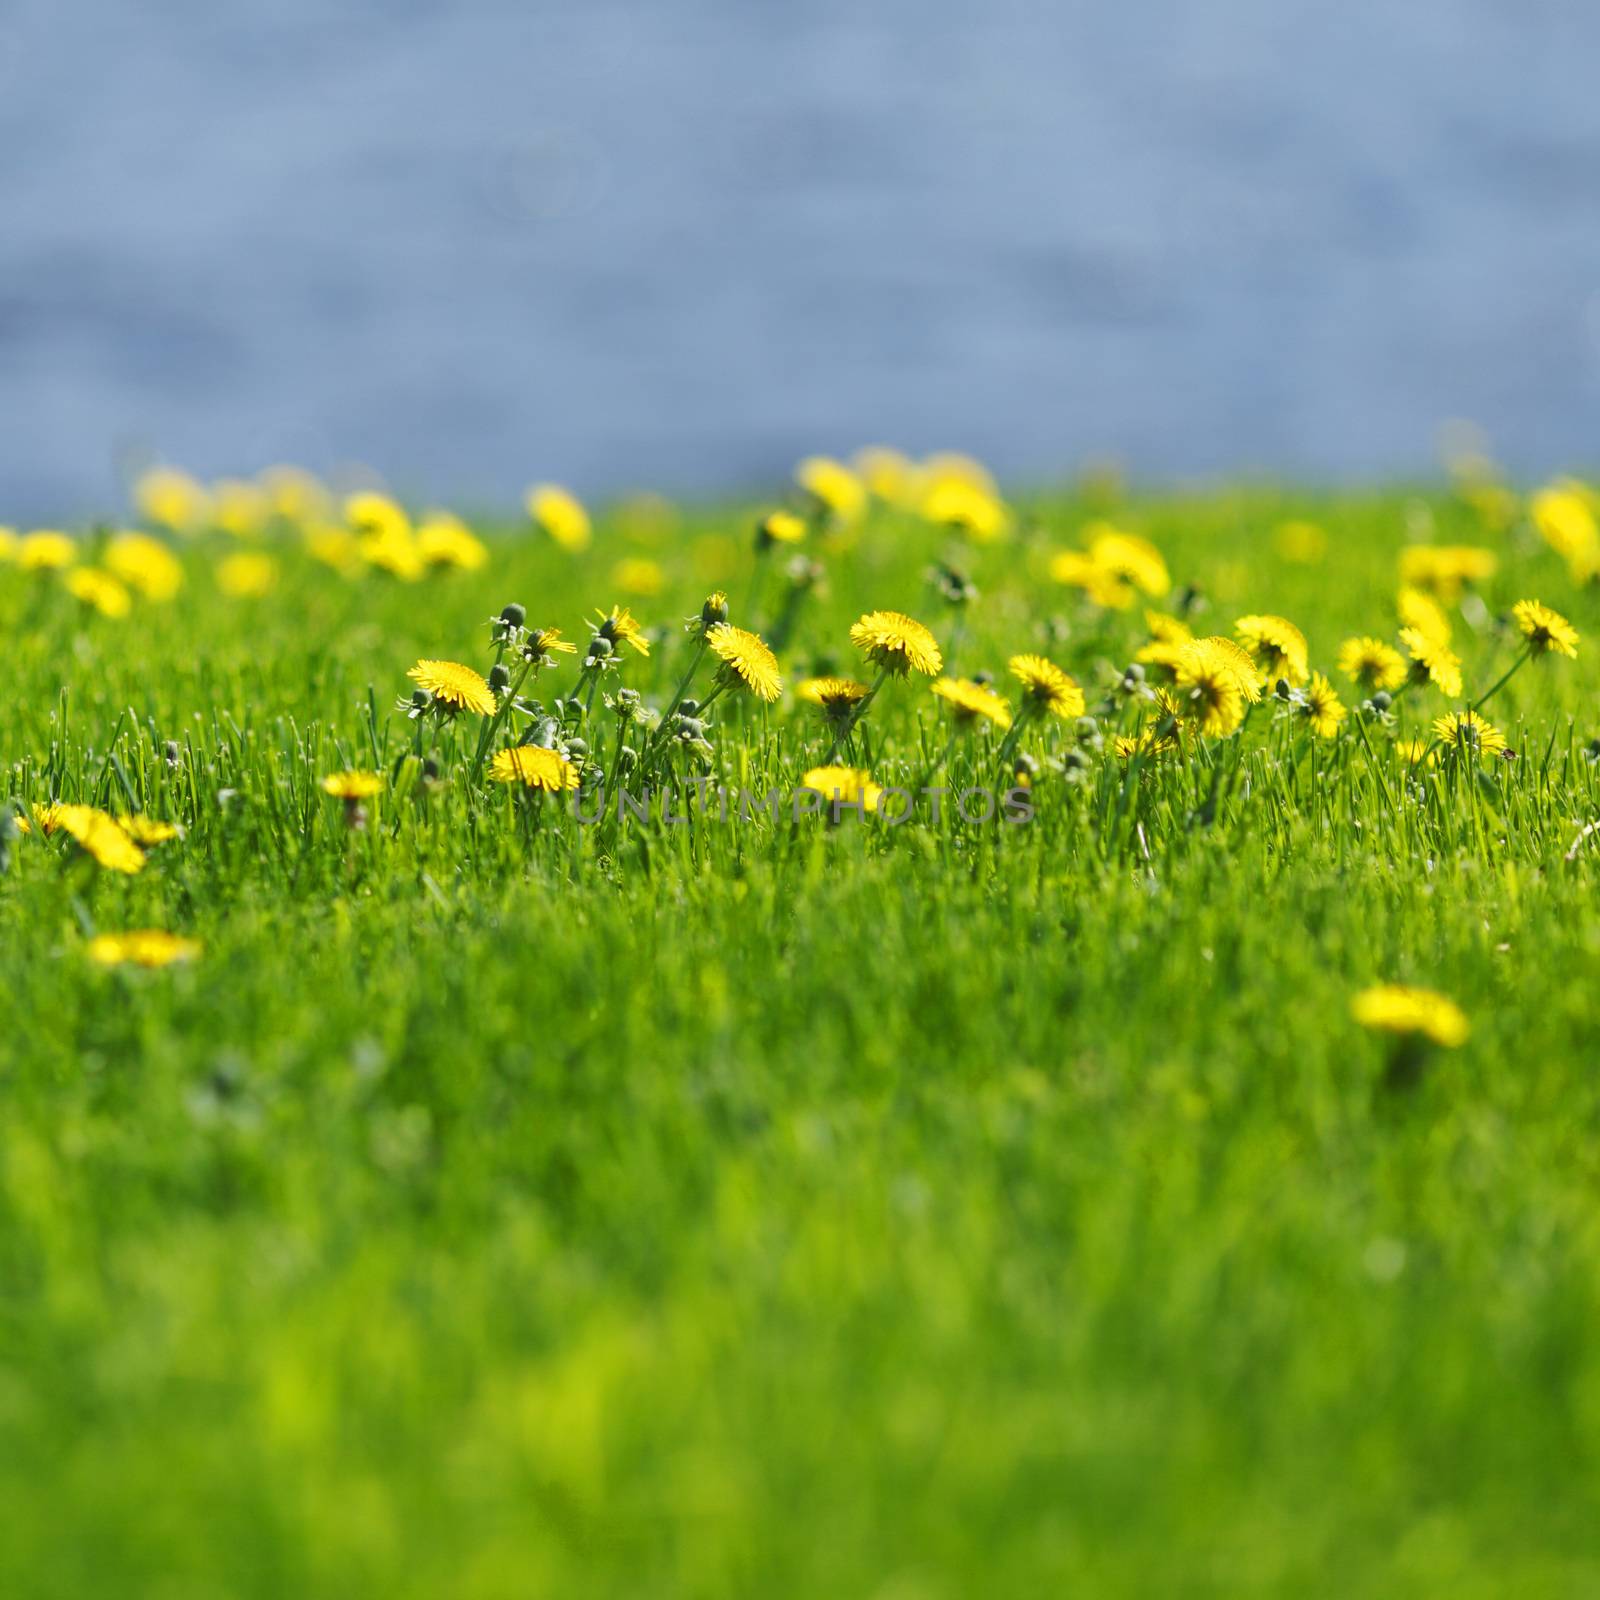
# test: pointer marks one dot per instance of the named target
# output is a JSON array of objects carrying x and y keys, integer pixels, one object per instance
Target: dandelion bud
[
  {"x": 627, "y": 758},
  {"x": 513, "y": 615},
  {"x": 715, "y": 610},
  {"x": 430, "y": 769},
  {"x": 420, "y": 699},
  {"x": 1086, "y": 727},
  {"x": 1132, "y": 675},
  {"x": 1382, "y": 700},
  {"x": 577, "y": 747},
  {"x": 983, "y": 677},
  {"x": 172, "y": 753},
  {"x": 1592, "y": 750},
  {"x": 599, "y": 648},
  {"x": 1281, "y": 689},
  {"x": 687, "y": 706},
  {"x": 499, "y": 678},
  {"x": 1074, "y": 761},
  {"x": 571, "y": 710}
]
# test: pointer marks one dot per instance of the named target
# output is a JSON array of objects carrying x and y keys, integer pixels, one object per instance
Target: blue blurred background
[{"x": 677, "y": 244}]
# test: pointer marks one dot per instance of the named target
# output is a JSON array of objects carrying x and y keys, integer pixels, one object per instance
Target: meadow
[{"x": 1185, "y": 1183}]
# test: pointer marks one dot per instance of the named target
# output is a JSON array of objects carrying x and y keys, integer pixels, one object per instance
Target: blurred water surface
[{"x": 675, "y": 244}]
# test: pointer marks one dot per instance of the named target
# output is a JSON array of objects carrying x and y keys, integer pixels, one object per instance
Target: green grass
[{"x": 503, "y": 1208}]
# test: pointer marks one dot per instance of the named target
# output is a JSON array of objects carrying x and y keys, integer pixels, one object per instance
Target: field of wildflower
[{"x": 897, "y": 1042}]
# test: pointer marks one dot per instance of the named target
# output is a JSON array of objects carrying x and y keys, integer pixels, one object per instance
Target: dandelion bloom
[
  {"x": 619, "y": 626},
  {"x": 1371, "y": 663},
  {"x": 98, "y": 833},
  {"x": 1432, "y": 661},
  {"x": 1422, "y": 612},
  {"x": 746, "y": 659},
  {"x": 1046, "y": 687},
  {"x": 239, "y": 508},
  {"x": 454, "y": 686},
  {"x": 294, "y": 494},
  {"x": 957, "y": 504},
  {"x": 534, "y": 767},
  {"x": 833, "y": 486},
  {"x": 99, "y": 591},
  {"x": 1276, "y": 646},
  {"x": 1416, "y": 751},
  {"x": 849, "y": 785},
  {"x": 1544, "y": 629},
  {"x": 1148, "y": 744},
  {"x": 539, "y": 644},
  {"x": 1566, "y": 523},
  {"x": 1323, "y": 707},
  {"x": 353, "y": 785},
  {"x": 1401, "y": 1009},
  {"x": 144, "y": 564},
  {"x": 247, "y": 575},
  {"x": 780, "y": 527},
  {"x": 145, "y": 830},
  {"x": 173, "y": 499},
  {"x": 1303, "y": 542},
  {"x": 144, "y": 947},
  {"x": 46, "y": 551},
  {"x": 639, "y": 575},
  {"x": 1444, "y": 570},
  {"x": 969, "y": 701},
  {"x": 838, "y": 697},
  {"x": 376, "y": 516},
  {"x": 889, "y": 474},
  {"x": 897, "y": 642},
  {"x": 560, "y": 514},
  {"x": 444, "y": 540},
  {"x": 1215, "y": 681},
  {"x": 1130, "y": 560},
  {"x": 1466, "y": 732}
]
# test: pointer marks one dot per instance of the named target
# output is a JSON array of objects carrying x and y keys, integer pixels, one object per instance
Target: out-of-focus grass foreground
[{"x": 1078, "y": 1078}]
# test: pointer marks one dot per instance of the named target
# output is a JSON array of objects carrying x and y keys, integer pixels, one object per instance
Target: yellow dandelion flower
[
  {"x": 560, "y": 514},
  {"x": 1414, "y": 752},
  {"x": 444, "y": 540},
  {"x": 838, "y": 697},
  {"x": 144, "y": 564},
  {"x": 247, "y": 575},
  {"x": 1371, "y": 663},
  {"x": 1277, "y": 647},
  {"x": 639, "y": 575},
  {"x": 353, "y": 785},
  {"x": 1445, "y": 570},
  {"x": 1422, "y": 612},
  {"x": 294, "y": 494},
  {"x": 897, "y": 643},
  {"x": 98, "y": 833},
  {"x": 848, "y": 785},
  {"x": 1544, "y": 629},
  {"x": 375, "y": 516},
  {"x": 99, "y": 591},
  {"x": 172, "y": 499},
  {"x": 1323, "y": 707},
  {"x": 1148, "y": 744},
  {"x": 144, "y": 947},
  {"x": 1565, "y": 521},
  {"x": 746, "y": 660},
  {"x": 454, "y": 686},
  {"x": 334, "y": 546},
  {"x": 968, "y": 701},
  {"x": 534, "y": 768},
  {"x": 146, "y": 831},
  {"x": 239, "y": 508},
  {"x": 1466, "y": 733},
  {"x": 1079, "y": 570},
  {"x": 1132, "y": 562},
  {"x": 1216, "y": 680},
  {"x": 1166, "y": 628},
  {"x": 539, "y": 644},
  {"x": 1045, "y": 687},
  {"x": 1401, "y": 1009},
  {"x": 1302, "y": 542},
  {"x": 619, "y": 626},
  {"x": 890, "y": 475},
  {"x": 834, "y": 487},
  {"x": 1432, "y": 661},
  {"x": 779, "y": 527},
  {"x": 46, "y": 550},
  {"x": 955, "y": 503}
]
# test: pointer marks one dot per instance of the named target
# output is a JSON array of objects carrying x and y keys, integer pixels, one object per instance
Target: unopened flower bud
[
  {"x": 513, "y": 615},
  {"x": 499, "y": 677}
]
